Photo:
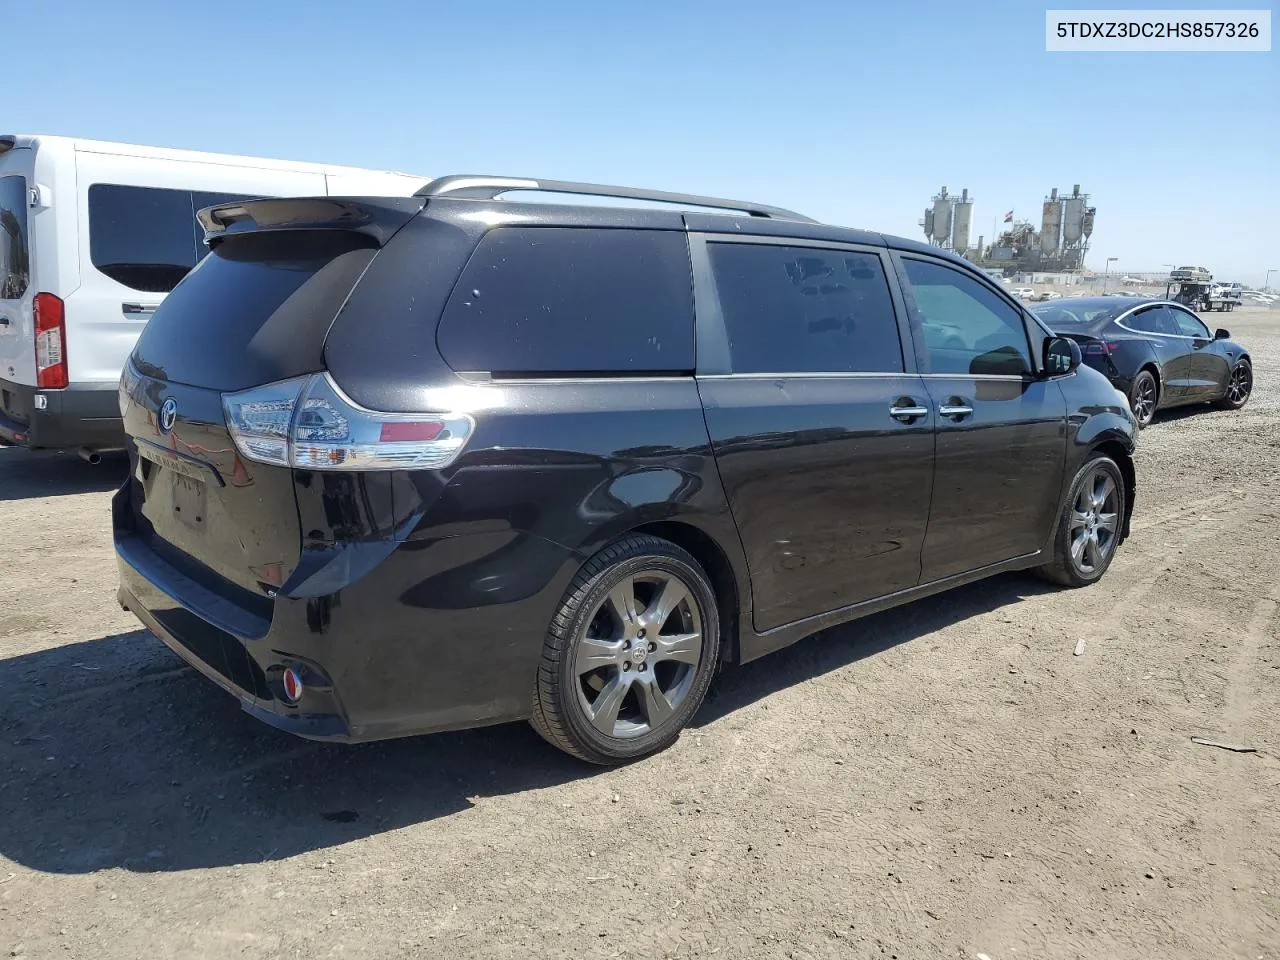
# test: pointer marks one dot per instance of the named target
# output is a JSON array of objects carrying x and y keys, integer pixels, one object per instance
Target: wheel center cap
[{"x": 639, "y": 652}]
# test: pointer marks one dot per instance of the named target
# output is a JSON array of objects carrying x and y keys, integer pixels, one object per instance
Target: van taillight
[{"x": 51, "y": 341}]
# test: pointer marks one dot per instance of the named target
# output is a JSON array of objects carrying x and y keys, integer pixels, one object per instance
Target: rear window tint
[
  {"x": 255, "y": 310},
  {"x": 15, "y": 252},
  {"x": 147, "y": 238},
  {"x": 553, "y": 300}
]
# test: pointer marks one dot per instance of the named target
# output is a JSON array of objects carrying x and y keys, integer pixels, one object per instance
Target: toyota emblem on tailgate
[{"x": 168, "y": 414}]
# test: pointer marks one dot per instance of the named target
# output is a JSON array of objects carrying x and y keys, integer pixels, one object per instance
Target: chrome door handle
[
  {"x": 908, "y": 414},
  {"x": 958, "y": 410},
  {"x": 138, "y": 309}
]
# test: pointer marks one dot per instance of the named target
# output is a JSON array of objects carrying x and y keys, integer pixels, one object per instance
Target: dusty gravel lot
[{"x": 942, "y": 780}]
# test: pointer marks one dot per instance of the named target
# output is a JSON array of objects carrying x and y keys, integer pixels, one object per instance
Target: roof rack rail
[{"x": 488, "y": 188}]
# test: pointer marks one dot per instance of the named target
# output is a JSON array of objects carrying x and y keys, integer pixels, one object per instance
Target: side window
[
  {"x": 1147, "y": 321},
  {"x": 15, "y": 253},
  {"x": 1189, "y": 325},
  {"x": 141, "y": 237},
  {"x": 968, "y": 328},
  {"x": 805, "y": 310},
  {"x": 555, "y": 300}
]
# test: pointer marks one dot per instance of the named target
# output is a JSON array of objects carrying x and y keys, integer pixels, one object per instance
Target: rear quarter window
[
  {"x": 547, "y": 301},
  {"x": 148, "y": 238},
  {"x": 15, "y": 251}
]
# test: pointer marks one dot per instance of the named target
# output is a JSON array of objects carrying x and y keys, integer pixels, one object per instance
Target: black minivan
[{"x": 402, "y": 466}]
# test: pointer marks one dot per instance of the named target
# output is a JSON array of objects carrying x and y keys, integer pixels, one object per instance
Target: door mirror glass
[
  {"x": 1061, "y": 356},
  {"x": 1221, "y": 334}
]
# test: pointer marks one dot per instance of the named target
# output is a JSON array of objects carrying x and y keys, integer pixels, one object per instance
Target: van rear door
[
  {"x": 17, "y": 349},
  {"x": 139, "y": 237}
]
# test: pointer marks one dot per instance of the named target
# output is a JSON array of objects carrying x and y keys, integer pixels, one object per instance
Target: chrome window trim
[
  {"x": 862, "y": 375},
  {"x": 1119, "y": 321}
]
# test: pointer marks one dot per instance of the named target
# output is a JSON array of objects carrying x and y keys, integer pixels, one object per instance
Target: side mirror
[
  {"x": 1061, "y": 356},
  {"x": 1221, "y": 334}
]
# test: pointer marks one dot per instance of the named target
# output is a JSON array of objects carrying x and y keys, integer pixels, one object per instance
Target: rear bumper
[
  {"x": 430, "y": 640},
  {"x": 80, "y": 415}
]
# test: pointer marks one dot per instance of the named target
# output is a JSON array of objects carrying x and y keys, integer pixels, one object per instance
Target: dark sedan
[{"x": 1158, "y": 353}]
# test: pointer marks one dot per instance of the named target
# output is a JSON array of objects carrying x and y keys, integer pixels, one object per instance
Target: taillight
[
  {"x": 51, "y": 341},
  {"x": 309, "y": 423},
  {"x": 1100, "y": 348}
]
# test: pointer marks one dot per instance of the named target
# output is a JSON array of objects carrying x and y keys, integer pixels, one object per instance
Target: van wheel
[
  {"x": 630, "y": 653},
  {"x": 1089, "y": 525}
]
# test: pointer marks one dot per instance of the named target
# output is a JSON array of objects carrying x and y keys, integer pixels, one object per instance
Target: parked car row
[{"x": 407, "y": 464}]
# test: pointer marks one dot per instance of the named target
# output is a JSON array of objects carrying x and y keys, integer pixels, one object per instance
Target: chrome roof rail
[{"x": 474, "y": 187}]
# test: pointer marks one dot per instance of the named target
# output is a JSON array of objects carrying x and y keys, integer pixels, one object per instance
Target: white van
[{"x": 92, "y": 237}]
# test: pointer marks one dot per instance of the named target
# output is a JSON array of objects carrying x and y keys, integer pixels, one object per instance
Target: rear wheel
[
  {"x": 1089, "y": 525},
  {"x": 1239, "y": 387},
  {"x": 630, "y": 654},
  {"x": 1144, "y": 395}
]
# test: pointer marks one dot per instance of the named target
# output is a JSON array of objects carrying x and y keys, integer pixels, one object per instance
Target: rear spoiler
[{"x": 376, "y": 217}]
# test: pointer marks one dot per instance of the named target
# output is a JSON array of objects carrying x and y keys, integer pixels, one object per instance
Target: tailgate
[{"x": 255, "y": 311}]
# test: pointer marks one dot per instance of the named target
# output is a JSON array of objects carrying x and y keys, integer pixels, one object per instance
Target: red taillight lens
[
  {"x": 51, "y": 341},
  {"x": 1100, "y": 348},
  {"x": 310, "y": 424}
]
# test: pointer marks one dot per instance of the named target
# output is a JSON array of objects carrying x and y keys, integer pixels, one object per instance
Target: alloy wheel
[
  {"x": 1240, "y": 385},
  {"x": 1144, "y": 399},
  {"x": 1095, "y": 521},
  {"x": 638, "y": 656}
]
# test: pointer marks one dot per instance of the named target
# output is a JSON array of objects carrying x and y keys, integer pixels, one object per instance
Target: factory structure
[{"x": 1058, "y": 246}]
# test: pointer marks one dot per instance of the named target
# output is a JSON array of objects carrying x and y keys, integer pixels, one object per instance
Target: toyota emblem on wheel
[{"x": 168, "y": 414}]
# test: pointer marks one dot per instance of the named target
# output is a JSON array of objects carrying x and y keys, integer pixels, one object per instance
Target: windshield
[
  {"x": 15, "y": 259},
  {"x": 1079, "y": 314}
]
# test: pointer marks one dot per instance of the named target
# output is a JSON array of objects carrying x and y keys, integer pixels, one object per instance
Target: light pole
[{"x": 1107, "y": 272}]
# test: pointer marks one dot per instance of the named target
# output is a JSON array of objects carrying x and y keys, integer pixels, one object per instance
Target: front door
[
  {"x": 821, "y": 429},
  {"x": 1209, "y": 370},
  {"x": 1001, "y": 439}
]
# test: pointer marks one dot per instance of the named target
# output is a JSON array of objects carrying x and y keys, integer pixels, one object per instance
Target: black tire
[
  {"x": 561, "y": 707},
  {"x": 1065, "y": 569},
  {"x": 1239, "y": 386},
  {"x": 1144, "y": 395}
]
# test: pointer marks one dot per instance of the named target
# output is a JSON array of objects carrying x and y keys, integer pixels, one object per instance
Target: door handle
[
  {"x": 955, "y": 408},
  {"x": 907, "y": 410},
  {"x": 139, "y": 309}
]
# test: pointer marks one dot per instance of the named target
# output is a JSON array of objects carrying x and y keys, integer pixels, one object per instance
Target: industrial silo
[
  {"x": 961, "y": 223},
  {"x": 928, "y": 223},
  {"x": 1086, "y": 224},
  {"x": 942, "y": 217},
  {"x": 1051, "y": 223},
  {"x": 1073, "y": 217}
]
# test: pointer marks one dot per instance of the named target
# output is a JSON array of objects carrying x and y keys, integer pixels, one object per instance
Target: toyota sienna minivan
[{"x": 410, "y": 465}]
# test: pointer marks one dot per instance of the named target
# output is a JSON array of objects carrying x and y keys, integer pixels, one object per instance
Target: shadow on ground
[
  {"x": 115, "y": 754},
  {"x": 26, "y": 474}
]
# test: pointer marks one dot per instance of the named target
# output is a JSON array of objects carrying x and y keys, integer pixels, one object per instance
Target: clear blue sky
[{"x": 853, "y": 112}]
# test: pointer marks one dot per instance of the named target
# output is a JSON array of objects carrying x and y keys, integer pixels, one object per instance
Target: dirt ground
[{"x": 943, "y": 780}]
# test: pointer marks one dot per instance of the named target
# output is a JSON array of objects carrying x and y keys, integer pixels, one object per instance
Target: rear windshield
[
  {"x": 147, "y": 238},
  {"x": 254, "y": 311},
  {"x": 15, "y": 255},
  {"x": 1075, "y": 313}
]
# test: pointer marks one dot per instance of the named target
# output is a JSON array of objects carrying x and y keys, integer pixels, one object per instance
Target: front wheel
[
  {"x": 1143, "y": 397},
  {"x": 1239, "y": 387},
  {"x": 630, "y": 653},
  {"x": 1089, "y": 526}
]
